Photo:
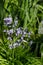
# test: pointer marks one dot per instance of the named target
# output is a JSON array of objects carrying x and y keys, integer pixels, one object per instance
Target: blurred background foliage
[{"x": 29, "y": 14}]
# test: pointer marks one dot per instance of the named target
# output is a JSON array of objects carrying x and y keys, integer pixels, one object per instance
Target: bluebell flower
[
  {"x": 10, "y": 31},
  {"x": 7, "y": 20},
  {"x": 15, "y": 45},
  {"x": 11, "y": 46},
  {"x": 9, "y": 38},
  {"x": 18, "y": 31},
  {"x": 29, "y": 33},
  {"x": 15, "y": 22},
  {"x": 16, "y": 34},
  {"x": 24, "y": 32},
  {"x": 22, "y": 37}
]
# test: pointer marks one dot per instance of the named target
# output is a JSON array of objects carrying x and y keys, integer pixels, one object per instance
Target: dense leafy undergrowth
[
  {"x": 24, "y": 61},
  {"x": 20, "y": 41},
  {"x": 19, "y": 56}
]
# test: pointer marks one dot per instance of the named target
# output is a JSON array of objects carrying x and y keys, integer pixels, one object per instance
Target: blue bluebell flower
[
  {"x": 9, "y": 38},
  {"x": 11, "y": 46},
  {"x": 10, "y": 31},
  {"x": 18, "y": 31},
  {"x": 16, "y": 44},
  {"x": 7, "y": 20}
]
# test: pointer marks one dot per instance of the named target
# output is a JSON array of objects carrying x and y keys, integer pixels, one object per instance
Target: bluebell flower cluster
[
  {"x": 19, "y": 33},
  {"x": 14, "y": 45}
]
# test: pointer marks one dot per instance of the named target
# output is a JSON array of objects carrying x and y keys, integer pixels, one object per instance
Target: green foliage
[
  {"x": 3, "y": 61},
  {"x": 29, "y": 14}
]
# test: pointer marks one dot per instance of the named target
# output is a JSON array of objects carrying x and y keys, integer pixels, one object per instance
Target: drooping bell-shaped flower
[
  {"x": 8, "y": 20},
  {"x": 10, "y": 31}
]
